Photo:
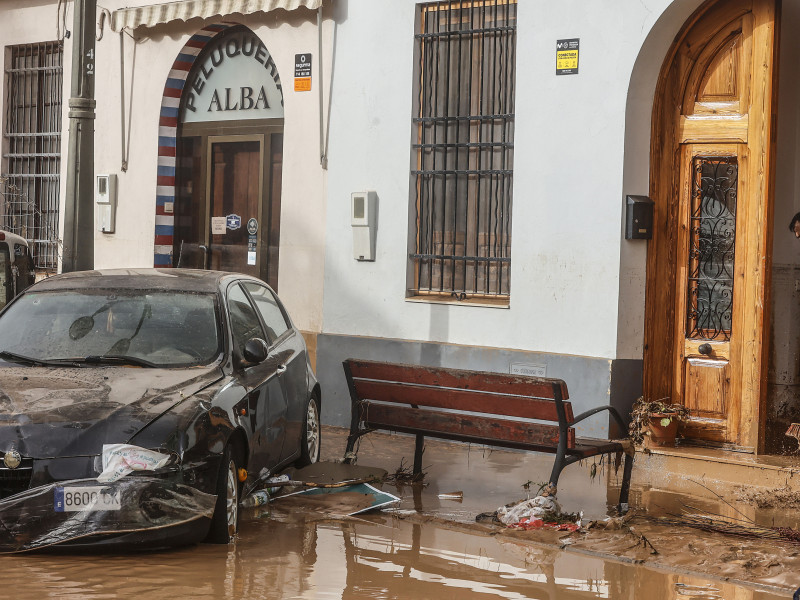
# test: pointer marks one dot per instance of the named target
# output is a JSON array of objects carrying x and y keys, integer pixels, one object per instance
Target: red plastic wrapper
[{"x": 529, "y": 524}]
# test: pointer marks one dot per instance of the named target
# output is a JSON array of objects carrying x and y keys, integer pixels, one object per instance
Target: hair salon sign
[{"x": 235, "y": 78}]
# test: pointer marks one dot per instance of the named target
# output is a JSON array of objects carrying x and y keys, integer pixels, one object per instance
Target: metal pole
[{"x": 79, "y": 212}]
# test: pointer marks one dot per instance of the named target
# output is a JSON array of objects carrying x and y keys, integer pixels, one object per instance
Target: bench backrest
[{"x": 473, "y": 391}]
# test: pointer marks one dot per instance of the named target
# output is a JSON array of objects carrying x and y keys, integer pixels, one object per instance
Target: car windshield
[{"x": 149, "y": 327}]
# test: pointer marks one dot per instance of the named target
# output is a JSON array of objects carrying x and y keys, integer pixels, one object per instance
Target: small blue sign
[
  {"x": 58, "y": 499},
  {"x": 233, "y": 221}
]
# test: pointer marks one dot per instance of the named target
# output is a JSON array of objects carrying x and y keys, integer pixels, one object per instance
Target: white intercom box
[
  {"x": 105, "y": 193},
  {"x": 363, "y": 219}
]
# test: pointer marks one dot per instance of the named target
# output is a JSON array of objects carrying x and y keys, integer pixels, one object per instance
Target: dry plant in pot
[{"x": 655, "y": 422}]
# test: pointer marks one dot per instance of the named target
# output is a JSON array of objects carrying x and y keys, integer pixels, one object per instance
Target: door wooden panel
[{"x": 708, "y": 259}]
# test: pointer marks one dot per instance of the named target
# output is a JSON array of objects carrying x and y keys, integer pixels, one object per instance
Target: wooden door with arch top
[{"x": 711, "y": 162}]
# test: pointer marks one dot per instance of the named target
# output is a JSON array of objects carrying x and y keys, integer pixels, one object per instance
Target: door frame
[
  {"x": 221, "y": 131},
  {"x": 210, "y": 140},
  {"x": 669, "y": 130}
]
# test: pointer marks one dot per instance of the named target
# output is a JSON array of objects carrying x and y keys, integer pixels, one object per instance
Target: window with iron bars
[
  {"x": 465, "y": 149},
  {"x": 29, "y": 186}
]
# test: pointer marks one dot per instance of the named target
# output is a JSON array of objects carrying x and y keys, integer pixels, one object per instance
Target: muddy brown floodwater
[
  {"x": 287, "y": 554},
  {"x": 429, "y": 548}
]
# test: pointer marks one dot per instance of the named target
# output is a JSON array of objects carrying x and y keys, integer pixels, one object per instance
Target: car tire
[
  {"x": 311, "y": 441},
  {"x": 225, "y": 521}
]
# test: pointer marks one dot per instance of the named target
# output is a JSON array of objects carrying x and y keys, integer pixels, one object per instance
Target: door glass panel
[
  {"x": 188, "y": 208},
  {"x": 269, "y": 309},
  {"x": 235, "y": 191},
  {"x": 712, "y": 240}
]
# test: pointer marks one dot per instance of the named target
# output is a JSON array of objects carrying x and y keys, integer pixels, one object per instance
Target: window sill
[{"x": 480, "y": 301}]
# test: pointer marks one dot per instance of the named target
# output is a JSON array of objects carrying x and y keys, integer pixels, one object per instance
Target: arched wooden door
[{"x": 708, "y": 263}]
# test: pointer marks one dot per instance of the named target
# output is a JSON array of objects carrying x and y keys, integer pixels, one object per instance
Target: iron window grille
[
  {"x": 29, "y": 190},
  {"x": 465, "y": 149},
  {"x": 712, "y": 231}
]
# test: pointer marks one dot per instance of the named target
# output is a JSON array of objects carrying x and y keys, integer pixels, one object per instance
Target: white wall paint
[
  {"x": 23, "y": 23},
  {"x": 303, "y": 195},
  {"x": 568, "y": 187}
]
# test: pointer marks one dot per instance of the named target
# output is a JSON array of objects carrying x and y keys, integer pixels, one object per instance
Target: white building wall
[
  {"x": 303, "y": 194},
  {"x": 568, "y": 196}
]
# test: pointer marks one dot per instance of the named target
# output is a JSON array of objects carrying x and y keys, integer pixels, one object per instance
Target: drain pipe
[{"x": 323, "y": 160}]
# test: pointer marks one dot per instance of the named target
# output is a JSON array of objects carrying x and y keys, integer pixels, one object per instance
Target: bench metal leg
[
  {"x": 419, "y": 447},
  {"x": 625, "y": 488}
]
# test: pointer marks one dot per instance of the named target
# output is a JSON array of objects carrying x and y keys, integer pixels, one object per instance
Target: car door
[
  {"x": 266, "y": 401},
  {"x": 288, "y": 348}
]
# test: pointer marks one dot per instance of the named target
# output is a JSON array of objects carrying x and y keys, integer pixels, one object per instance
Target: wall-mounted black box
[{"x": 639, "y": 218}]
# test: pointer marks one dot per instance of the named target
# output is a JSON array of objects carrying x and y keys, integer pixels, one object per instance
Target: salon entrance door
[{"x": 235, "y": 189}]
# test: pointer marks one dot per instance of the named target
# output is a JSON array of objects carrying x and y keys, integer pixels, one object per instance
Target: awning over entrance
[{"x": 153, "y": 14}]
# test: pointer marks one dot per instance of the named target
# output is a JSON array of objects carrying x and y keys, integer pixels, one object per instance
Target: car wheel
[
  {"x": 225, "y": 521},
  {"x": 311, "y": 441}
]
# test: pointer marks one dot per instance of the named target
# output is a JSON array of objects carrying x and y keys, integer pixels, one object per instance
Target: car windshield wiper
[
  {"x": 108, "y": 359},
  {"x": 6, "y": 355}
]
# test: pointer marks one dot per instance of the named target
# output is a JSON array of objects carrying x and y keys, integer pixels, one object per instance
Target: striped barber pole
[{"x": 167, "y": 140}]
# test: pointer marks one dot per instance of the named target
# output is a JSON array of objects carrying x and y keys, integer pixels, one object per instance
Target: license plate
[{"x": 74, "y": 499}]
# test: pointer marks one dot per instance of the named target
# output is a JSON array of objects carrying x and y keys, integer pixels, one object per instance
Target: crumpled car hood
[{"x": 48, "y": 412}]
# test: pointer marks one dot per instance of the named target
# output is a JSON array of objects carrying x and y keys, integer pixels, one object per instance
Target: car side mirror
[{"x": 255, "y": 351}]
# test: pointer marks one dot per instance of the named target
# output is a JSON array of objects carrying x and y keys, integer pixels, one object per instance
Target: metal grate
[
  {"x": 712, "y": 233},
  {"x": 465, "y": 148},
  {"x": 29, "y": 188}
]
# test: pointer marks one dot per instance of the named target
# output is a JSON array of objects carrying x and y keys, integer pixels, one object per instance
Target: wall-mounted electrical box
[
  {"x": 639, "y": 218},
  {"x": 105, "y": 194},
  {"x": 363, "y": 219}
]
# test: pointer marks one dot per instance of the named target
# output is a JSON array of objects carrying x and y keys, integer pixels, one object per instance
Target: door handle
[
  {"x": 281, "y": 369},
  {"x": 705, "y": 349}
]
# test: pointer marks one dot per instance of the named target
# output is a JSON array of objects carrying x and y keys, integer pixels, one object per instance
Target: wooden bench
[{"x": 437, "y": 402}]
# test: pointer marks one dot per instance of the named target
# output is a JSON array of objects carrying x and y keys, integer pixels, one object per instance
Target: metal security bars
[
  {"x": 712, "y": 233},
  {"x": 465, "y": 148},
  {"x": 29, "y": 188}
]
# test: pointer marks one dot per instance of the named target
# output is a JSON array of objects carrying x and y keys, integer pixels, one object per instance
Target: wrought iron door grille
[
  {"x": 29, "y": 190},
  {"x": 465, "y": 148},
  {"x": 712, "y": 243}
]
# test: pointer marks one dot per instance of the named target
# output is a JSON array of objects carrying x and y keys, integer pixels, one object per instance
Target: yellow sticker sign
[
  {"x": 302, "y": 84},
  {"x": 567, "y": 56}
]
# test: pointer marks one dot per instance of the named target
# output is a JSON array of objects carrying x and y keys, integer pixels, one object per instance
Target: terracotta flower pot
[{"x": 660, "y": 434}]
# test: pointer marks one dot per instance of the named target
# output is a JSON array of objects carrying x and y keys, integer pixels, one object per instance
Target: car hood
[{"x": 48, "y": 412}]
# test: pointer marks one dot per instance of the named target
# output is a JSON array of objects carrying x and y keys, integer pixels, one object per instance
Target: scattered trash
[
  {"x": 368, "y": 497},
  {"x": 258, "y": 498},
  {"x": 121, "y": 459},
  {"x": 794, "y": 431},
  {"x": 404, "y": 475},
  {"x": 279, "y": 479},
  {"x": 528, "y": 524},
  {"x": 459, "y": 496},
  {"x": 539, "y": 507}
]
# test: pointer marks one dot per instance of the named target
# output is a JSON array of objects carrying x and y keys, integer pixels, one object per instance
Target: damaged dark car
[{"x": 140, "y": 406}]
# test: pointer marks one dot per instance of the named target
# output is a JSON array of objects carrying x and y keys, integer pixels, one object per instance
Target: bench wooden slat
[
  {"x": 518, "y": 385},
  {"x": 466, "y": 400},
  {"x": 462, "y": 427}
]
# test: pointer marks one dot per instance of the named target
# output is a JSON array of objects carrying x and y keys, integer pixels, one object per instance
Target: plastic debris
[
  {"x": 540, "y": 507},
  {"x": 122, "y": 459},
  {"x": 529, "y": 524},
  {"x": 76, "y": 509},
  {"x": 278, "y": 479},
  {"x": 452, "y": 496},
  {"x": 256, "y": 499}
]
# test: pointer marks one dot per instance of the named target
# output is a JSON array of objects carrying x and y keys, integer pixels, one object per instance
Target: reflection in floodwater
[{"x": 290, "y": 555}]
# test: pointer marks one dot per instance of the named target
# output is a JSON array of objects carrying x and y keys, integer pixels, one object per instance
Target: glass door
[{"x": 235, "y": 184}]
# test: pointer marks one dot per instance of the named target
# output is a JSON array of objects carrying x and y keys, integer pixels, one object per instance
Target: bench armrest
[{"x": 613, "y": 411}]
